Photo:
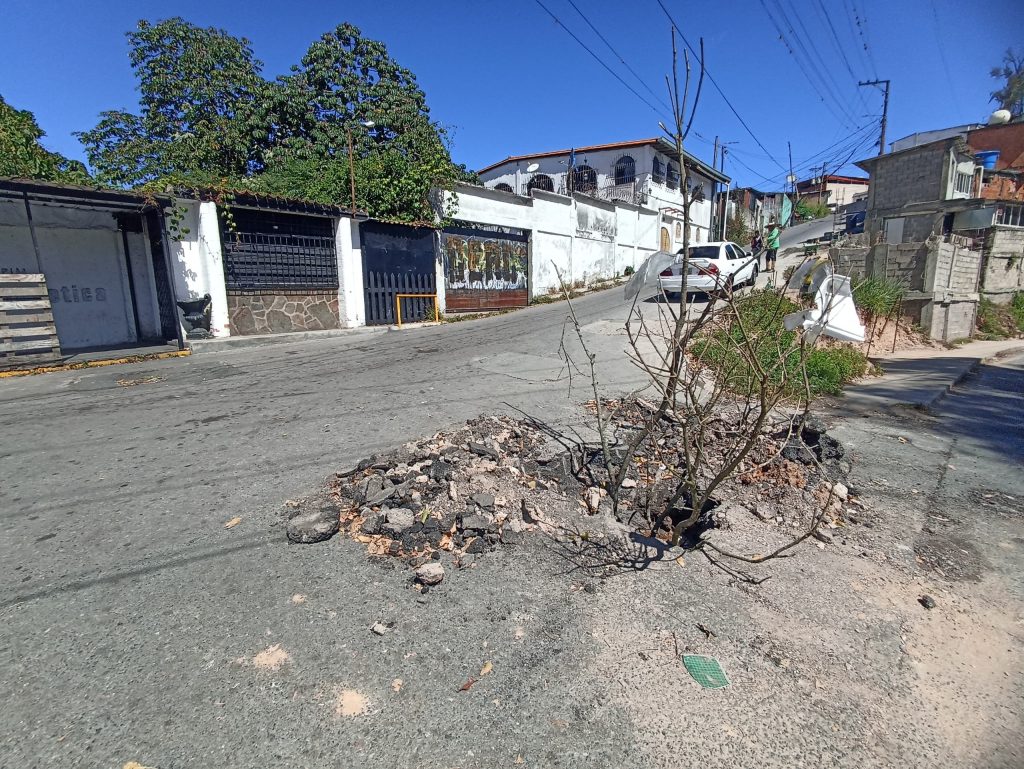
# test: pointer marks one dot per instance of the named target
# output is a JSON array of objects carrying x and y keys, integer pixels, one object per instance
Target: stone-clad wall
[{"x": 272, "y": 312}]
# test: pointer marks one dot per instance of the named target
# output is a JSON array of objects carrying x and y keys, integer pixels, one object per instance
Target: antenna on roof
[{"x": 532, "y": 167}]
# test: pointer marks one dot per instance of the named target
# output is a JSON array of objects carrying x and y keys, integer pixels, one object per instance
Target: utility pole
[
  {"x": 714, "y": 191},
  {"x": 792, "y": 187},
  {"x": 885, "y": 110},
  {"x": 724, "y": 146}
]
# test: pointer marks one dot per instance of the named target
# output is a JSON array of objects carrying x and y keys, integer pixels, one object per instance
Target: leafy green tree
[
  {"x": 199, "y": 93},
  {"x": 209, "y": 118},
  {"x": 22, "y": 154},
  {"x": 347, "y": 86},
  {"x": 736, "y": 230},
  {"x": 1011, "y": 95}
]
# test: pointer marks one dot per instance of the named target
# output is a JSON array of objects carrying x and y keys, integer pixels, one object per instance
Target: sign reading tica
[{"x": 75, "y": 294}]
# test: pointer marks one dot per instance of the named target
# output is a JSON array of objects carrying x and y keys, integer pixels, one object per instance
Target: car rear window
[{"x": 704, "y": 252}]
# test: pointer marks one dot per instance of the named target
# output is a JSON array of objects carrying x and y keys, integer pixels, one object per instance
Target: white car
[{"x": 720, "y": 266}]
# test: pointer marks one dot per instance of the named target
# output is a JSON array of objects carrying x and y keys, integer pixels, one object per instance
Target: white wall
[
  {"x": 659, "y": 195},
  {"x": 197, "y": 264},
  {"x": 81, "y": 252},
  {"x": 351, "y": 297},
  {"x": 581, "y": 238}
]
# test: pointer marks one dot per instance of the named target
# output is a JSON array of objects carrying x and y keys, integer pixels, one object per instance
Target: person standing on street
[{"x": 772, "y": 244}]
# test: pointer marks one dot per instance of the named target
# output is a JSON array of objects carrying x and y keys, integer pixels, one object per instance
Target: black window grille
[
  {"x": 673, "y": 176},
  {"x": 625, "y": 170},
  {"x": 540, "y": 182},
  {"x": 584, "y": 179},
  {"x": 503, "y": 187},
  {"x": 658, "y": 171},
  {"x": 274, "y": 250}
]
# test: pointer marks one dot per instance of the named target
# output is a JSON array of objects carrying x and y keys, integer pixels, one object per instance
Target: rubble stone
[
  {"x": 398, "y": 520},
  {"x": 812, "y": 427},
  {"x": 372, "y": 523},
  {"x": 315, "y": 526},
  {"x": 484, "y": 500},
  {"x": 483, "y": 450},
  {"x": 440, "y": 470},
  {"x": 478, "y": 523},
  {"x": 430, "y": 573}
]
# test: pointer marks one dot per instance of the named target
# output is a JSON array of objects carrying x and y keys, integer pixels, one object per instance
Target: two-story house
[{"x": 644, "y": 172}]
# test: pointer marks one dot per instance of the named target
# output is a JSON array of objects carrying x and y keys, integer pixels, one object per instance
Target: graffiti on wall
[{"x": 483, "y": 261}]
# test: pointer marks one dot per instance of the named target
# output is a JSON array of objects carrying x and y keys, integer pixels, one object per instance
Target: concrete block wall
[
  {"x": 909, "y": 177},
  {"x": 580, "y": 238},
  {"x": 850, "y": 261},
  {"x": 940, "y": 281},
  {"x": 1002, "y": 272}
]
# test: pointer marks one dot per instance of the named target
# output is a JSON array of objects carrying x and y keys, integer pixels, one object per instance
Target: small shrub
[
  {"x": 1017, "y": 308},
  {"x": 1000, "y": 321},
  {"x": 761, "y": 312},
  {"x": 878, "y": 297},
  {"x": 628, "y": 271}
]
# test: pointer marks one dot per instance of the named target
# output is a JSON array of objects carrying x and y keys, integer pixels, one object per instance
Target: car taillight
[
  {"x": 666, "y": 273},
  {"x": 711, "y": 269}
]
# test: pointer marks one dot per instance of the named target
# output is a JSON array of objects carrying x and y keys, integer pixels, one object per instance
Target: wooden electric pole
[{"x": 885, "y": 110}]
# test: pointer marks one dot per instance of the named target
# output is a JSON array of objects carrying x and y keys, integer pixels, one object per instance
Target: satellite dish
[
  {"x": 1000, "y": 117},
  {"x": 532, "y": 167}
]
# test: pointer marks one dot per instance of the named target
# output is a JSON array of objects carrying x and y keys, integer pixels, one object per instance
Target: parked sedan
[{"x": 720, "y": 266}]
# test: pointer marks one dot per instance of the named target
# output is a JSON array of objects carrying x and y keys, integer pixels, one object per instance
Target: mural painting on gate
[{"x": 484, "y": 263}]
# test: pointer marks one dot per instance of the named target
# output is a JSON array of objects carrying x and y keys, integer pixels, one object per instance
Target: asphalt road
[{"x": 132, "y": 619}]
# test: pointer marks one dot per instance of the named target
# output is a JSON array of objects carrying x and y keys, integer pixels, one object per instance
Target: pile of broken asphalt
[{"x": 445, "y": 500}]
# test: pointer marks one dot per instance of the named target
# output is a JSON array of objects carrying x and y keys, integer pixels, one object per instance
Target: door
[
  {"x": 666, "y": 241},
  {"x": 398, "y": 259},
  {"x": 485, "y": 267}
]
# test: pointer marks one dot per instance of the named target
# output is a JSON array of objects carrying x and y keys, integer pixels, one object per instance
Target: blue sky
[{"x": 507, "y": 79}]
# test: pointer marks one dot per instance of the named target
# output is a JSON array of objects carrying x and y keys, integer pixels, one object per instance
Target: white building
[{"x": 644, "y": 172}]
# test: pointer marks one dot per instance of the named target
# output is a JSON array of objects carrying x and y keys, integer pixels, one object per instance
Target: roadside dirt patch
[
  {"x": 271, "y": 658},
  {"x": 350, "y": 703}
]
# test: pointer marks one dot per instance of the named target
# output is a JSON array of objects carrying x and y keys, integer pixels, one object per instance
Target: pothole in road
[{"x": 949, "y": 555}]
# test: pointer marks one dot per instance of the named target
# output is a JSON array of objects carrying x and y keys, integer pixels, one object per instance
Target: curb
[
  {"x": 970, "y": 371},
  {"x": 204, "y": 346},
  {"x": 93, "y": 364}
]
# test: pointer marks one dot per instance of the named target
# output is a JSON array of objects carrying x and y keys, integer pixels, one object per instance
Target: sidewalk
[{"x": 921, "y": 378}]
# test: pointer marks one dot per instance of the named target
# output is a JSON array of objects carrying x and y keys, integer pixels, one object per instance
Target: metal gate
[
  {"x": 398, "y": 259},
  {"x": 485, "y": 266},
  {"x": 274, "y": 250}
]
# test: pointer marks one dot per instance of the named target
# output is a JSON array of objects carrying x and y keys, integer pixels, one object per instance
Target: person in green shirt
[{"x": 772, "y": 246}]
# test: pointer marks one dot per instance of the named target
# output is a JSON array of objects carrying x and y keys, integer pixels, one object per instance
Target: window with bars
[
  {"x": 658, "y": 171},
  {"x": 274, "y": 250},
  {"x": 1010, "y": 216},
  {"x": 672, "y": 181},
  {"x": 503, "y": 187},
  {"x": 963, "y": 183},
  {"x": 584, "y": 179},
  {"x": 625, "y": 170},
  {"x": 540, "y": 182}
]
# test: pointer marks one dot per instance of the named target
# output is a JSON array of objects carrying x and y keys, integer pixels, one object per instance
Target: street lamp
[{"x": 351, "y": 161}]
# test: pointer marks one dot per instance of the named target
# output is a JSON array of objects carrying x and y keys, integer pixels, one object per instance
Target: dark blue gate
[{"x": 398, "y": 259}]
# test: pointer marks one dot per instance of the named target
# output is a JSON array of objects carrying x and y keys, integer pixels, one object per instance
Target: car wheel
[{"x": 753, "y": 277}]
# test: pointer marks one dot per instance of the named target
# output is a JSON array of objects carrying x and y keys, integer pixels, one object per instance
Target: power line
[
  {"x": 808, "y": 45},
  {"x": 839, "y": 46},
  {"x": 617, "y": 55},
  {"x": 719, "y": 89},
  {"x": 808, "y": 68},
  {"x": 834, "y": 151},
  {"x": 598, "y": 59},
  {"x": 861, "y": 53},
  {"x": 862, "y": 22}
]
